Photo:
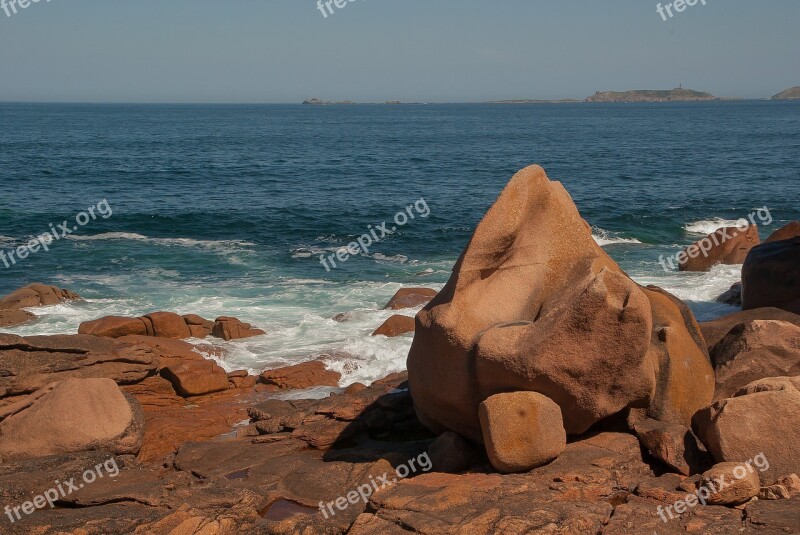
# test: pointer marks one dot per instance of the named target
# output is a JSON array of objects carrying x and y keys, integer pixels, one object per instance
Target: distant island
[
  {"x": 318, "y": 102},
  {"x": 789, "y": 94},
  {"x": 533, "y": 101},
  {"x": 650, "y": 95}
]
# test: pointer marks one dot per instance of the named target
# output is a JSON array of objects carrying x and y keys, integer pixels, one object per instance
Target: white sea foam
[
  {"x": 709, "y": 226},
  {"x": 603, "y": 237},
  {"x": 183, "y": 242}
]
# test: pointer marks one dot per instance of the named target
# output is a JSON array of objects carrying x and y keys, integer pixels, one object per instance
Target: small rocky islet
[{"x": 550, "y": 392}]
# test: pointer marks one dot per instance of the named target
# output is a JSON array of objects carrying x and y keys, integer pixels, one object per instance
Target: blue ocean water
[{"x": 226, "y": 209}]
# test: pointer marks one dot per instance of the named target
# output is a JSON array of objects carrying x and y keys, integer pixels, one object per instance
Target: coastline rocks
[
  {"x": 229, "y": 328},
  {"x": 534, "y": 304},
  {"x": 31, "y": 296},
  {"x": 770, "y": 276},
  {"x": 787, "y": 232},
  {"x": 732, "y": 483},
  {"x": 410, "y": 298},
  {"x": 169, "y": 325},
  {"x": 756, "y": 421},
  {"x": 395, "y": 326},
  {"x": 755, "y": 350},
  {"x": 71, "y": 416},
  {"x": 37, "y": 295},
  {"x": 728, "y": 245},
  {"x": 521, "y": 431},
  {"x": 301, "y": 376}
]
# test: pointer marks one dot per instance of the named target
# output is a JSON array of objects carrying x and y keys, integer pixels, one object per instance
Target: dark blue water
[{"x": 220, "y": 209}]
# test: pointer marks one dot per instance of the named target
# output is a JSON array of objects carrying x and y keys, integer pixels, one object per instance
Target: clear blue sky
[{"x": 374, "y": 50}]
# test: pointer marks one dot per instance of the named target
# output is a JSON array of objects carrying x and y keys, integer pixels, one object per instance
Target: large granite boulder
[
  {"x": 786, "y": 232},
  {"x": 728, "y": 245},
  {"x": 771, "y": 278},
  {"x": 534, "y": 304},
  {"x": 715, "y": 330},
  {"x": 71, "y": 416}
]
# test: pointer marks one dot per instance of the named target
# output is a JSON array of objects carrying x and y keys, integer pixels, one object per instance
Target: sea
[{"x": 227, "y": 209}]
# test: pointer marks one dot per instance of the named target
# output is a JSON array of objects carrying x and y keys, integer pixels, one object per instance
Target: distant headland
[
  {"x": 790, "y": 94},
  {"x": 651, "y": 95}
]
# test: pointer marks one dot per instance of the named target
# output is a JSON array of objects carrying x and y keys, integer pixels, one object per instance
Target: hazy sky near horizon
[{"x": 376, "y": 50}]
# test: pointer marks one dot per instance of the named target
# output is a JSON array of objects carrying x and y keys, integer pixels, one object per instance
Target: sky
[{"x": 284, "y": 51}]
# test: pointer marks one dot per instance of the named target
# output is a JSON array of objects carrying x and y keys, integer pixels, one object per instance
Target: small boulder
[
  {"x": 71, "y": 416},
  {"x": 728, "y": 245},
  {"x": 755, "y": 350},
  {"x": 452, "y": 454},
  {"x": 229, "y": 328},
  {"x": 770, "y": 277},
  {"x": 196, "y": 378},
  {"x": 521, "y": 430},
  {"x": 299, "y": 376},
  {"x": 730, "y": 483},
  {"x": 787, "y": 232},
  {"x": 410, "y": 298},
  {"x": 168, "y": 325},
  {"x": 714, "y": 331},
  {"x": 395, "y": 326},
  {"x": 113, "y": 327},
  {"x": 763, "y": 422},
  {"x": 673, "y": 444},
  {"x": 198, "y": 327}
]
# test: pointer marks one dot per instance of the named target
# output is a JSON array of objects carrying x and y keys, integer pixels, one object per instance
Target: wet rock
[
  {"x": 534, "y": 304},
  {"x": 410, "y": 298},
  {"x": 71, "y": 416},
  {"x": 733, "y": 296},
  {"x": 770, "y": 277},
  {"x": 15, "y": 317},
  {"x": 755, "y": 350},
  {"x": 395, "y": 326},
  {"x": 300, "y": 376},
  {"x": 725, "y": 246},
  {"x": 229, "y": 328},
  {"x": 521, "y": 430}
]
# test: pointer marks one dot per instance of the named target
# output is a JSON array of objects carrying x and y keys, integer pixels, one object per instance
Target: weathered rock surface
[
  {"x": 770, "y": 277},
  {"x": 114, "y": 327},
  {"x": 451, "y": 453},
  {"x": 395, "y": 326},
  {"x": 728, "y": 245},
  {"x": 196, "y": 378},
  {"x": 534, "y": 304},
  {"x": 786, "y": 232},
  {"x": 169, "y": 325},
  {"x": 761, "y": 419},
  {"x": 71, "y": 416},
  {"x": 755, "y": 350},
  {"x": 410, "y": 298},
  {"x": 304, "y": 375},
  {"x": 521, "y": 430},
  {"x": 14, "y": 317}
]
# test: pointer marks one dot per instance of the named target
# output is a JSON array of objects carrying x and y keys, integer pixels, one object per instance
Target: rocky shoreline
[{"x": 548, "y": 391}]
